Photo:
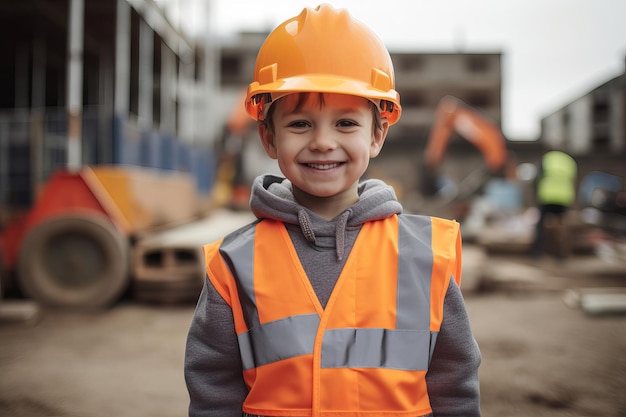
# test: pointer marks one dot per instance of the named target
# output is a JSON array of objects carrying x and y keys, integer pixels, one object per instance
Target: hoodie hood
[{"x": 272, "y": 198}]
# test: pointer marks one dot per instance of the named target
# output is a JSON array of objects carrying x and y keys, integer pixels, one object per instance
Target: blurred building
[
  {"x": 422, "y": 79},
  {"x": 114, "y": 75},
  {"x": 237, "y": 59},
  {"x": 592, "y": 128}
]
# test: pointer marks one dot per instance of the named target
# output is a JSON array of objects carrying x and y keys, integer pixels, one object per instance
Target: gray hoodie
[{"x": 213, "y": 370}]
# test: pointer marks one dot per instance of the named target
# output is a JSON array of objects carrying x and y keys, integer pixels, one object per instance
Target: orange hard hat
[{"x": 323, "y": 50}]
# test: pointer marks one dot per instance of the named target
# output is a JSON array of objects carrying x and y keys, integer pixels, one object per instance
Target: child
[{"x": 332, "y": 303}]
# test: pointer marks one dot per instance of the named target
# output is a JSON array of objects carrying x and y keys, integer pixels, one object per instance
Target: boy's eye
[
  {"x": 300, "y": 124},
  {"x": 346, "y": 123}
]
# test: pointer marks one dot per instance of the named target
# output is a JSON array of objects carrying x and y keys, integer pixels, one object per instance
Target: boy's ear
[
  {"x": 267, "y": 139},
  {"x": 378, "y": 138}
]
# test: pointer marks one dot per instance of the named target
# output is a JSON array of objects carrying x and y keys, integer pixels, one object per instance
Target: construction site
[{"x": 113, "y": 175}]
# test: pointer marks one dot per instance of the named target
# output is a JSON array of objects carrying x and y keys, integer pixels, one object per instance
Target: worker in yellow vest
[
  {"x": 556, "y": 193},
  {"x": 332, "y": 303}
]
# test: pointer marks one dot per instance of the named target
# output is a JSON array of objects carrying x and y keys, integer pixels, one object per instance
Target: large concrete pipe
[{"x": 74, "y": 261}]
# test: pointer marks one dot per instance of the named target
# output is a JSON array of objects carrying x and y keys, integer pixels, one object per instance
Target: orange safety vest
[{"x": 368, "y": 351}]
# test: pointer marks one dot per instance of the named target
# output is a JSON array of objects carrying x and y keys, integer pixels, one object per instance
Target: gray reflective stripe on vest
[
  {"x": 407, "y": 347},
  {"x": 281, "y": 339},
  {"x": 376, "y": 348},
  {"x": 415, "y": 268},
  {"x": 237, "y": 250}
]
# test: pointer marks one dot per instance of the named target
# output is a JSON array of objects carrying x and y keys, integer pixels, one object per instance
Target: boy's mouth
[{"x": 323, "y": 166}]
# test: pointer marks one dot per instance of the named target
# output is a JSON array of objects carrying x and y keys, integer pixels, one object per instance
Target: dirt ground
[{"x": 541, "y": 356}]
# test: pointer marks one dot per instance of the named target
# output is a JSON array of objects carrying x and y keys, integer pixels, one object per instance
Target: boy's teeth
[{"x": 323, "y": 166}]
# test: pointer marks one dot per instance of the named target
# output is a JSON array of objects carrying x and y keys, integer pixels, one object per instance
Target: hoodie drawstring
[
  {"x": 340, "y": 233},
  {"x": 306, "y": 226},
  {"x": 340, "y": 230}
]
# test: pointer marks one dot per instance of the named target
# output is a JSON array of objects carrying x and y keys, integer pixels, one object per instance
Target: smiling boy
[
  {"x": 333, "y": 303},
  {"x": 323, "y": 144}
]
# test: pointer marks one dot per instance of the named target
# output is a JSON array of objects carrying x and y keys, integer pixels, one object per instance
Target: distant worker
[
  {"x": 555, "y": 193},
  {"x": 333, "y": 302}
]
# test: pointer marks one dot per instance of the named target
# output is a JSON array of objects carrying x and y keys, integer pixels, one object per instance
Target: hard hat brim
[{"x": 322, "y": 84}]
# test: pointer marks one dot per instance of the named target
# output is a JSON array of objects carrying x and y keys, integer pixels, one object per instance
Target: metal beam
[
  {"x": 122, "y": 59},
  {"x": 75, "y": 84}
]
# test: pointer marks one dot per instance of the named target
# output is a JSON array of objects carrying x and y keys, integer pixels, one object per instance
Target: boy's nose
[{"x": 322, "y": 141}]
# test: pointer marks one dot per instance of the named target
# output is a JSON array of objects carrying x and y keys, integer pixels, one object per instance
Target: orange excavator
[{"x": 454, "y": 116}]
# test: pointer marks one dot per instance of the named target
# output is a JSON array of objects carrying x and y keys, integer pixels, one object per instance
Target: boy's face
[{"x": 324, "y": 146}]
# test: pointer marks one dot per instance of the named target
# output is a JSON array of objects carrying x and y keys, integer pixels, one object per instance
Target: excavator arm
[{"x": 452, "y": 115}]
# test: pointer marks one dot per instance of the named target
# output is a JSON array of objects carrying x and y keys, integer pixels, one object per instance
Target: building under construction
[
  {"x": 103, "y": 139},
  {"x": 90, "y": 82}
]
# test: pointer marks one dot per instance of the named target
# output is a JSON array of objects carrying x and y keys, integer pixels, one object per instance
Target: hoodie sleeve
[
  {"x": 213, "y": 371},
  {"x": 452, "y": 378}
]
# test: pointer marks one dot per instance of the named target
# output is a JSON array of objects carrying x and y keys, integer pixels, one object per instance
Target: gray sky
[{"x": 553, "y": 50}]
